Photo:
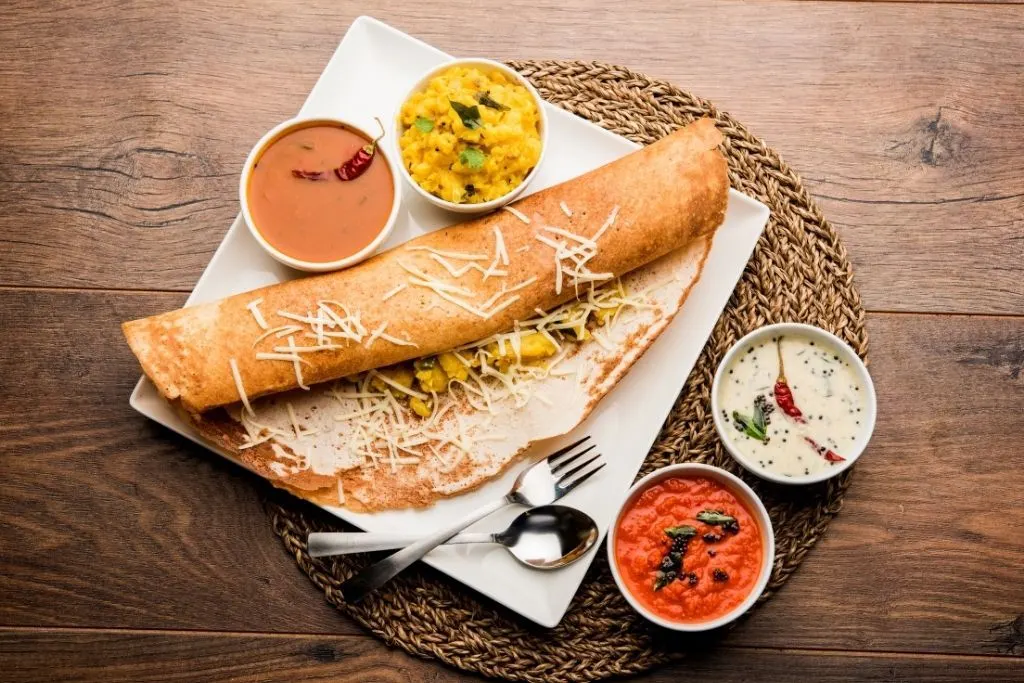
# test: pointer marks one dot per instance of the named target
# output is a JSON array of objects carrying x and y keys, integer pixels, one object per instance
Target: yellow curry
[{"x": 471, "y": 135}]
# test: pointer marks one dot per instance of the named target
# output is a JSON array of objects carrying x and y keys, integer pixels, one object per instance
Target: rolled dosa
[
  {"x": 338, "y": 444},
  {"x": 408, "y": 303}
]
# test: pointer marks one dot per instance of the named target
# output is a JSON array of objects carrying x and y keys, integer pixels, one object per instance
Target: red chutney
[{"x": 641, "y": 545}]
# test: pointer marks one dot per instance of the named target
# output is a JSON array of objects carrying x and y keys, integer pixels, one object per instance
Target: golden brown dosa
[
  {"x": 367, "y": 489},
  {"x": 666, "y": 196}
]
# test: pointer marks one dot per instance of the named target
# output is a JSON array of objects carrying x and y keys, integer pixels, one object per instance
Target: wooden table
[{"x": 128, "y": 554}]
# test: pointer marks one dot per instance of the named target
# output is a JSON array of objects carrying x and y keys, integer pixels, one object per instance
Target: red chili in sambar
[
  {"x": 301, "y": 206},
  {"x": 641, "y": 546}
]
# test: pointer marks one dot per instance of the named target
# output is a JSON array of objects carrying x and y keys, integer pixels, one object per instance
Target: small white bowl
[
  {"x": 482, "y": 207},
  {"x": 279, "y": 131},
  {"x": 725, "y": 430},
  {"x": 746, "y": 495}
]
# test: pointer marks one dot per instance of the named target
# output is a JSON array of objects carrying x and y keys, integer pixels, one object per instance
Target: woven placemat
[{"x": 799, "y": 272}]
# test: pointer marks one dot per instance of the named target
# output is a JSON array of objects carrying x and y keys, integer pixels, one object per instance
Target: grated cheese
[
  {"x": 254, "y": 308},
  {"x": 297, "y": 365},
  {"x": 290, "y": 357},
  {"x": 295, "y": 420},
  {"x": 525, "y": 283},
  {"x": 376, "y": 334},
  {"x": 586, "y": 276},
  {"x": 391, "y": 292},
  {"x": 462, "y": 304},
  {"x": 516, "y": 342},
  {"x": 518, "y": 214},
  {"x": 250, "y": 442},
  {"x": 398, "y": 341},
  {"x": 307, "y": 349},
  {"x": 237, "y": 376},
  {"x": 499, "y": 246},
  {"x": 307, "y": 319},
  {"x": 279, "y": 331},
  {"x": 602, "y": 340},
  {"x": 451, "y": 254},
  {"x": 352, "y": 395},
  {"x": 382, "y": 426},
  {"x": 359, "y": 413},
  {"x": 609, "y": 222},
  {"x": 491, "y": 268},
  {"x": 442, "y": 286},
  {"x": 550, "y": 337},
  {"x": 585, "y": 241},
  {"x": 392, "y": 383},
  {"x": 565, "y": 209},
  {"x": 503, "y": 305}
]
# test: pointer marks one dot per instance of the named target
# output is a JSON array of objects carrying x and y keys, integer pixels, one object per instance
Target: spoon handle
[
  {"x": 382, "y": 571},
  {"x": 324, "y": 544}
]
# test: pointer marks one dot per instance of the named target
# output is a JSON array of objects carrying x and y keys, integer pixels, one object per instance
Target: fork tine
[
  {"x": 576, "y": 469},
  {"x": 559, "y": 453},
  {"x": 565, "y": 463},
  {"x": 564, "y": 489}
]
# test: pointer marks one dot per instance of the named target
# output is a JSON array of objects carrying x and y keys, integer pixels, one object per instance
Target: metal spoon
[{"x": 545, "y": 537}]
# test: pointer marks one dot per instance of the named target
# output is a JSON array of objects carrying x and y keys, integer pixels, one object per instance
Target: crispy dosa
[
  {"x": 667, "y": 196},
  {"x": 328, "y": 460}
]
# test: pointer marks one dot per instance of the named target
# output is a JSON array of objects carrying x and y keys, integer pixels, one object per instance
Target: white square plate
[{"x": 371, "y": 70}]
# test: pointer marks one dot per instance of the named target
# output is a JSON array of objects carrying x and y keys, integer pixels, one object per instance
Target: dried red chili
[
  {"x": 783, "y": 394},
  {"x": 826, "y": 453},
  {"x": 361, "y": 160},
  {"x": 309, "y": 175}
]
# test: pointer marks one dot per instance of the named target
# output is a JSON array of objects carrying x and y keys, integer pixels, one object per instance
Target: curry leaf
[
  {"x": 714, "y": 517},
  {"x": 424, "y": 125},
  {"x": 747, "y": 426},
  {"x": 485, "y": 99},
  {"x": 470, "y": 115},
  {"x": 682, "y": 531},
  {"x": 759, "y": 420},
  {"x": 472, "y": 158},
  {"x": 662, "y": 579}
]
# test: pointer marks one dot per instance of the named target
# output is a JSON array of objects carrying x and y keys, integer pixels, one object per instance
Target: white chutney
[{"x": 826, "y": 391}]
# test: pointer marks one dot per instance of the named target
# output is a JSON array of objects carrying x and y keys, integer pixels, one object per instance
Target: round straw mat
[{"x": 799, "y": 272}]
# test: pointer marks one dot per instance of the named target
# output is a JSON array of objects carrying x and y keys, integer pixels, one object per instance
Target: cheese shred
[
  {"x": 390, "y": 293},
  {"x": 517, "y": 213},
  {"x": 237, "y": 376},
  {"x": 254, "y": 308}
]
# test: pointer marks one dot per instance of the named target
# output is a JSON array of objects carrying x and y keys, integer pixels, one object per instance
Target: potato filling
[{"x": 433, "y": 375}]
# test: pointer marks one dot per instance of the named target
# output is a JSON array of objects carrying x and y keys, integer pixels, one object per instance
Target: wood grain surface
[
  {"x": 902, "y": 117},
  {"x": 127, "y": 553},
  {"x": 74, "y": 656}
]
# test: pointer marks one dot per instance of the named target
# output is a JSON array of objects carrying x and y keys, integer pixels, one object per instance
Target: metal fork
[{"x": 542, "y": 483}]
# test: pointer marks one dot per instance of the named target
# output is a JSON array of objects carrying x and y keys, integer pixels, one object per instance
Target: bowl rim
[
  {"x": 754, "y": 504},
  {"x": 511, "y": 195},
  {"x": 272, "y": 136},
  {"x": 871, "y": 409}
]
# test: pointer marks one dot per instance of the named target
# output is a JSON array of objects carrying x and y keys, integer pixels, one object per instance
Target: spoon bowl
[
  {"x": 549, "y": 537},
  {"x": 543, "y": 537}
]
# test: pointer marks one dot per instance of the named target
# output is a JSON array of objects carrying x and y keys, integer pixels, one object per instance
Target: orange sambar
[
  {"x": 323, "y": 219},
  {"x": 641, "y": 544}
]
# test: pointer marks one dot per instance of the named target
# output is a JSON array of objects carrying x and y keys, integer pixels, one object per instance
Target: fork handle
[
  {"x": 326, "y": 543},
  {"x": 379, "y": 573}
]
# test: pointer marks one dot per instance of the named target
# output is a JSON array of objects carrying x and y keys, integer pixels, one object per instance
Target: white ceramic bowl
[
  {"x": 482, "y": 207},
  {"x": 746, "y": 495},
  {"x": 317, "y": 266},
  {"x": 726, "y": 431}
]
